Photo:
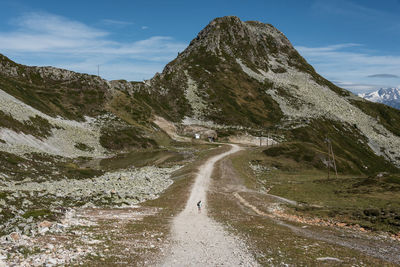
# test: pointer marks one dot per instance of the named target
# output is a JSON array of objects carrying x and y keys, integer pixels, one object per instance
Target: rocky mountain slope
[
  {"x": 60, "y": 112},
  {"x": 69, "y": 139},
  {"x": 239, "y": 75},
  {"x": 235, "y": 78},
  {"x": 64, "y": 138},
  {"x": 387, "y": 96}
]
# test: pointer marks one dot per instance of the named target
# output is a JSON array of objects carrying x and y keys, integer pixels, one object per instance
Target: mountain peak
[
  {"x": 387, "y": 96},
  {"x": 230, "y": 35},
  {"x": 227, "y": 40}
]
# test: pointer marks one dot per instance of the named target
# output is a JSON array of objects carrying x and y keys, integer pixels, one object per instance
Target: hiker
[{"x": 199, "y": 206}]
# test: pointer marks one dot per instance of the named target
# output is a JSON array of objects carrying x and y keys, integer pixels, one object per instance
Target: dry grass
[{"x": 273, "y": 242}]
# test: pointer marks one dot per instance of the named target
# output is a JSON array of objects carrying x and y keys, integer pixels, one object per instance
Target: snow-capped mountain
[{"x": 387, "y": 96}]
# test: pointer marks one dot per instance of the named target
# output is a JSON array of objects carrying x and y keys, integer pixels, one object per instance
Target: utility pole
[
  {"x": 333, "y": 158},
  {"x": 330, "y": 151},
  {"x": 98, "y": 70},
  {"x": 329, "y": 157}
]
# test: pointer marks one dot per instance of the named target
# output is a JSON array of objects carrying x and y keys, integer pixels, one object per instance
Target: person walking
[{"x": 199, "y": 205}]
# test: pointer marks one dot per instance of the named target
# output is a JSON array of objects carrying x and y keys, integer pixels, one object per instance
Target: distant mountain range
[{"x": 387, "y": 96}]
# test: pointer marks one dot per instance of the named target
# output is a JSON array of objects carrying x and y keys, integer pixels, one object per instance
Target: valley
[{"x": 108, "y": 173}]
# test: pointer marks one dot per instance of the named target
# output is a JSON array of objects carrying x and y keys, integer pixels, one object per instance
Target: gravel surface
[
  {"x": 200, "y": 241},
  {"x": 126, "y": 186}
]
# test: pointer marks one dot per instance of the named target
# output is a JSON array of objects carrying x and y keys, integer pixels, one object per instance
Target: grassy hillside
[
  {"x": 71, "y": 98},
  {"x": 290, "y": 171}
]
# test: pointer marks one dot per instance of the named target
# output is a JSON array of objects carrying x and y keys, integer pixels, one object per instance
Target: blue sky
[{"x": 352, "y": 43}]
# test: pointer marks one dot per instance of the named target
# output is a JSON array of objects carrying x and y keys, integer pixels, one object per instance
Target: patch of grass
[
  {"x": 36, "y": 126},
  {"x": 141, "y": 158},
  {"x": 83, "y": 173},
  {"x": 27, "y": 251},
  {"x": 43, "y": 213},
  {"x": 84, "y": 147},
  {"x": 130, "y": 109},
  {"x": 42, "y": 167},
  {"x": 308, "y": 156},
  {"x": 124, "y": 138}
]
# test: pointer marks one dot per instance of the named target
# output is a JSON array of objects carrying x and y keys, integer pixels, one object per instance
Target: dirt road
[{"x": 197, "y": 239}]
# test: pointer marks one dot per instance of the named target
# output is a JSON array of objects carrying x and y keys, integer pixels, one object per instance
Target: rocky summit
[{"x": 79, "y": 154}]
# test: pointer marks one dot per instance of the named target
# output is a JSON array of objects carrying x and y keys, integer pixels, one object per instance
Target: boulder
[
  {"x": 45, "y": 224},
  {"x": 14, "y": 236}
]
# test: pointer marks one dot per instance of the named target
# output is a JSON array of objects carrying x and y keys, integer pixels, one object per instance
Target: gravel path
[{"x": 197, "y": 239}]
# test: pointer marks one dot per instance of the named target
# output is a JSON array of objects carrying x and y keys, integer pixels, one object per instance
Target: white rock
[
  {"x": 329, "y": 259},
  {"x": 43, "y": 230},
  {"x": 52, "y": 261}
]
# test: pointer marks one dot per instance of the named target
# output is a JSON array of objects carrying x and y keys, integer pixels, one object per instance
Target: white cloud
[
  {"x": 57, "y": 26},
  {"x": 144, "y": 27},
  {"x": 41, "y": 38},
  {"x": 114, "y": 22},
  {"x": 346, "y": 64}
]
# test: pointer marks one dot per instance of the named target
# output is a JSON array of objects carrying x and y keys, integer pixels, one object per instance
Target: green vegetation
[
  {"x": 142, "y": 158},
  {"x": 124, "y": 138},
  {"x": 232, "y": 96},
  {"x": 272, "y": 242},
  {"x": 84, "y": 147},
  {"x": 130, "y": 109},
  {"x": 349, "y": 145},
  {"x": 36, "y": 126},
  {"x": 166, "y": 96},
  {"x": 44, "y": 213},
  {"x": 83, "y": 173},
  {"x": 41, "y": 167},
  {"x": 387, "y": 116},
  {"x": 69, "y": 99},
  {"x": 370, "y": 201}
]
